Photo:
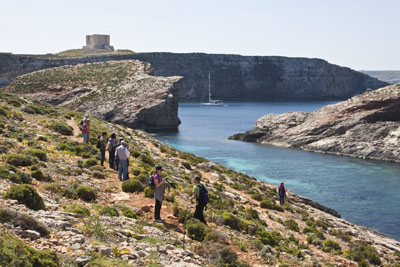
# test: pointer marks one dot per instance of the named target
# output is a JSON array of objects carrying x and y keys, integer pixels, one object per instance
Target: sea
[{"x": 365, "y": 192}]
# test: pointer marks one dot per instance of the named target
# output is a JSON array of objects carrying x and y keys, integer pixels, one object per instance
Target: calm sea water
[{"x": 365, "y": 192}]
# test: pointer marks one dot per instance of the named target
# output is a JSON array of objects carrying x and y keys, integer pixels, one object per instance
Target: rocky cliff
[
  {"x": 118, "y": 91},
  {"x": 366, "y": 126},
  {"x": 59, "y": 207},
  {"x": 232, "y": 76}
]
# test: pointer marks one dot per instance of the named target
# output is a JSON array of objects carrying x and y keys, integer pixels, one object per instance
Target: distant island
[{"x": 389, "y": 76}]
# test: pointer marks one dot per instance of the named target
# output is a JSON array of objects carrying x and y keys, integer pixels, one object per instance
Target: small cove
[{"x": 365, "y": 192}]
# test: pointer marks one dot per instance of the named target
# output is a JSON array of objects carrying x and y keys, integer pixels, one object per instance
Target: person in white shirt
[{"x": 123, "y": 154}]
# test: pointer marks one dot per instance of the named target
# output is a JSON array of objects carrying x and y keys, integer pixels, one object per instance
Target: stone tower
[{"x": 97, "y": 43}]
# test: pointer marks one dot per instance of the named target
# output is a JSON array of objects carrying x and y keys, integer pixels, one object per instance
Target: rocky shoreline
[{"x": 366, "y": 126}]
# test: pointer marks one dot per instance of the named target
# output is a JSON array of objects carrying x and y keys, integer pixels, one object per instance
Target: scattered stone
[
  {"x": 30, "y": 234},
  {"x": 146, "y": 208}
]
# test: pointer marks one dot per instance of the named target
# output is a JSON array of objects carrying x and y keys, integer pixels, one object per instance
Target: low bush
[
  {"x": 251, "y": 214},
  {"x": 14, "y": 175},
  {"x": 331, "y": 246},
  {"x": 232, "y": 221},
  {"x": 23, "y": 220},
  {"x": 128, "y": 212},
  {"x": 220, "y": 255},
  {"x": 147, "y": 159},
  {"x": 184, "y": 216},
  {"x": 53, "y": 187},
  {"x": 96, "y": 168},
  {"x": 98, "y": 175},
  {"x": 86, "y": 193},
  {"x": 78, "y": 209},
  {"x": 11, "y": 246},
  {"x": 196, "y": 230},
  {"x": 5, "y": 145},
  {"x": 70, "y": 191},
  {"x": 25, "y": 194},
  {"x": 132, "y": 186},
  {"x": 108, "y": 211},
  {"x": 19, "y": 160},
  {"x": 360, "y": 252},
  {"x": 90, "y": 162},
  {"x": 186, "y": 165},
  {"x": 269, "y": 238},
  {"x": 292, "y": 225},
  {"x": 38, "y": 153},
  {"x": 61, "y": 128},
  {"x": 148, "y": 192},
  {"x": 266, "y": 204},
  {"x": 78, "y": 149},
  {"x": 40, "y": 176}
]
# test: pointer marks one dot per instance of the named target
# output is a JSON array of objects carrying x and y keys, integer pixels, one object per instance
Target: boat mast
[{"x": 209, "y": 86}]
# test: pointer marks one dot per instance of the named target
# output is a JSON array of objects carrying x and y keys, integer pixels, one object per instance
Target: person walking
[
  {"x": 198, "y": 194},
  {"x": 282, "y": 193},
  {"x": 86, "y": 130},
  {"x": 122, "y": 153},
  {"x": 159, "y": 188},
  {"x": 111, "y": 145},
  {"x": 103, "y": 145}
]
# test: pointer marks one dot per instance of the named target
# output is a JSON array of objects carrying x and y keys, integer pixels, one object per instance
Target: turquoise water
[{"x": 365, "y": 192}]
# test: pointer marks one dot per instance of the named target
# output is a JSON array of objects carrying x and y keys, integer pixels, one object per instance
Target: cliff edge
[
  {"x": 119, "y": 91},
  {"x": 366, "y": 126}
]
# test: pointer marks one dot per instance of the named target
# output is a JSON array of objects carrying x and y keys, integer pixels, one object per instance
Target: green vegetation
[
  {"x": 38, "y": 153},
  {"x": 108, "y": 211},
  {"x": 19, "y": 160},
  {"x": 331, "y": 246},
  {"x": 86, "y": 193},
  {"x": 267, "y": 204},
  {"x": 196, "y": 230},
  {"x": 27, "y": 195},
  {"x": 90, "y": 162},
  {"x": 148, "y": 192},
  {"x": 40, "y": 176},
  {"x": 78, "y": 209},
  {"x": 61, "y": 128},
  {"x": 132, "y": 186},
  {"x": 79, "y": 149},
  {"x": 360, "y": 252},
  {"x": 23, "y": 220},
  {"x": 128, "y": 212},
  {"x": 14, "y": 175},
  {"x": 27, "y": 256},
  {"x": 292, "y": 225}
]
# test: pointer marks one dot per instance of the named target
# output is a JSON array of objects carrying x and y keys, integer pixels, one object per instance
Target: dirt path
[{"x": 76, "y": 130}]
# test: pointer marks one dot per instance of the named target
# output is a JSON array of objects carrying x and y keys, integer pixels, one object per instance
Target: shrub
[
  {"x": 5, "y": 145},
  {"x": 196, "y": 230},
  {"x": 331, "y": 246},
  {"x": 61, "y": 128},
  {"x": 184, "y": 215},
  {"x": 127, "y": 212},
  {"x": 266, "y": 204},
  {"x": 40, "y": 176},
  {"x": 108, "y": 211},
  {"x": 147, "y": 159},
  {"x": 96, "y": 168},
  {"x": 27, "y": 195},
  {"x": 78, "y": 209},
  {"x": 186, "y": 165},
  {"x": 292, "y": 225},
  {"x": 98, "y": 175},
  {"x": 53, "y": 187},
  {"x": 86, "y": 193},
  {"x": 70, "y": 191},
  {"x": 19, "y": 160},
  {"x": 14, "y": 175},
  {"x": 38, "y": 153},
  {"x": 221, "y": 255},
  {"x": 270, "y": 238},
  {"x": 363, "y": 252},
  {"x": 90, "y": 162},
  {"x": 251, "y": 214},
  {"x": 23, "y": 220},
  {"x": 148, "y": 192},
  {"x": 132, "y": 186},
  {"x": 232, "y": 221},
  {"x": 11, "y": 246}
]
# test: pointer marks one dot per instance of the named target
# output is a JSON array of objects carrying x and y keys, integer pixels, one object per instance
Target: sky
[{"x": 360, "y": 34}]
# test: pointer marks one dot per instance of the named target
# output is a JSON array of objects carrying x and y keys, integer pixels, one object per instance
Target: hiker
[
  {"x": 199, "y": 192},
  {"x": 102, "y": 144},
  {"x": 86, "y": 130},
  {"x": 159, "y": 188},
  {"x": 122, "y": 153},
  {"x": 82, "y": 122},
  {"x": 111, "y": 145},
  {"x": 281, "y": 193}
]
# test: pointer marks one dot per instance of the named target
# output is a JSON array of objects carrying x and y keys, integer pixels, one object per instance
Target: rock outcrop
[
  {"x": 118, "y": 91},
  {"x": 232, "y": 76},
  {"x": 366, "y": 126}
]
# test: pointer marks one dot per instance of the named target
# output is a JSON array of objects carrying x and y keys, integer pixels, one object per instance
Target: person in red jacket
[
  {"x": 282, "y": 194},
  {"x": 86, "y": 130}
]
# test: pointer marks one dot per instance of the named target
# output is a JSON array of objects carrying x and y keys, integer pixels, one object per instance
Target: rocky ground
[
  {"x": 88, "y": 220},
  {"x": 366, "y": 126},
  {"x": 118, "y": 91}
]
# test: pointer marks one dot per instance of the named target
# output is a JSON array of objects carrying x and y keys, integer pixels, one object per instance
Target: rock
[
  {"x": 366, "y": 126},
  {"x": 126, "y": 232},
  {"x": 82, "y": 260},
  {"x": 162, "y": 249},
  {"x": 134, "y": 98},
  {"x": 141, "y": 253},
  {"x": 105, "y": 251},
  {"x": 146, "y": 208},
  {"x": 30, "y": 234}
]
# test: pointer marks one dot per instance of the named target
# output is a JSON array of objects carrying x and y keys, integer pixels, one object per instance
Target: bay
[{"x": 365, "y": 192}]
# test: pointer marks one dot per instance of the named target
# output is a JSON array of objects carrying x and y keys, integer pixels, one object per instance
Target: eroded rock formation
[{"x": 365, "y": 126}]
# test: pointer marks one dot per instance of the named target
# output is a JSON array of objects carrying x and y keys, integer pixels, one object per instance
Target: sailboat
[{"x": 211, "y": 102}]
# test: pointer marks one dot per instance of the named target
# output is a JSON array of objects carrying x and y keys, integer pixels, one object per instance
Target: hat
[
  {"x": 158, "y": 167},
  {"x": 122, "y": 142}
]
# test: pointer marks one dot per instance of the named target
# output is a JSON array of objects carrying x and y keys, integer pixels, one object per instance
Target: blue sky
[{"x": 361, "y": 34}]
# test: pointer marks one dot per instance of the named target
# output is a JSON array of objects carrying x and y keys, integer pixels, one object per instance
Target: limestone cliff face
[
  {"x": 366, "y": 126},
  {"x": 232, "y": 76},
  {"x": 118, "y": 91}
]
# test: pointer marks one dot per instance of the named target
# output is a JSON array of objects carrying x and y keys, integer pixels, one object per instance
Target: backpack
[
  {"x": 109, "y": 146},
  {"x": 81, "y": 125},
  {"x": 98, "y": 143},
  {"x": 152, "y": 185},
  {"x": 203, "y": 195}
]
